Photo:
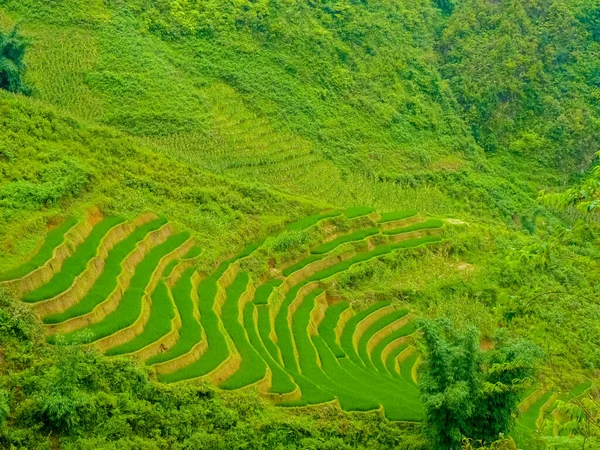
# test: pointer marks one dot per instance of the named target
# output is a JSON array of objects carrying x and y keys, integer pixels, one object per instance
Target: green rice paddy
[
  {"x": 159, "y": 323},
  {"x": 304, "y": 369},
  {"x": 75, "y": 264},
  {"x": 281, "y": 382},
  {"x": 428, "y": 224},
  {"x": 396, "y": 215},
  {"x": 390, "y": 363},
  {"x": 300, "y": 265},
  {"x": 309, "y": 367},
  {"x": 193, "y": 253},
  {"x": 309, "y": 221},
  {"x": 217, "y": 350},
  {"x": 130, "y": 306},
  {"x": 253, "y": 367},
  {"x": 347, "y": 337},
  {"x": 107, "y": 281},
  {"x": 190, "y": 332},
  {"x": 376, "y": 354},
  {"x": 54, "y": 238},
  {"x": 263, "y": 292},
  {"x": 358, "y": 211},
  {"x": 356, "y": 236},
  {"x": 327, "y": 327},
  {"x": 374, "y": 328}
]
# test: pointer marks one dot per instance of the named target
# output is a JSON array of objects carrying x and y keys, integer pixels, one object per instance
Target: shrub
[
  {"x": 4, "y": 408},
  {"x": 12, "y": 67},
  {"x": 467, "y": 392}
]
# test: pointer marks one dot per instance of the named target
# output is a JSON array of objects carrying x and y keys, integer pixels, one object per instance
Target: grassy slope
[{"x": 365, "y": 114}]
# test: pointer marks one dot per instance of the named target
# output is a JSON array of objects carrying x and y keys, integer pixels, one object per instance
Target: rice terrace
[
  {"x": 299, "y": 225},
  {"x": 132, "y": 286}
]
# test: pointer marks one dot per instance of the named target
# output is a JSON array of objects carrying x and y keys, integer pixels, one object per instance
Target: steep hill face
[
  {"x": 383, "y": 95},
  {"x": 233, "y": 120}
]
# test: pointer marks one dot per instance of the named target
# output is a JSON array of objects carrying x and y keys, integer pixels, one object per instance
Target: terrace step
[
  {"x": 83, "y": 282},
  {"x": 286, "y": 338},
  {"x": 43, "y": 274},
  {"x": 76, "y": 264},
  {"x": 109, "y": 305},
  {"x": 43, "y": 253},
  {"x": 126, "y": 334}
]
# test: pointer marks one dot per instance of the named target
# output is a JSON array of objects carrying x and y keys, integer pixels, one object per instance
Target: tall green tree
[
  {"x": 12, "y": 65},
  {"x": 468, "y": 392}
]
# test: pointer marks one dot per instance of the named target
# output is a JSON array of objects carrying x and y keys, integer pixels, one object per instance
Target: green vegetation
[
  {"x": 190, "y": 331},
  {"x": 76, "y": 391},
  {"x": 170, "y": 267},
  {"x": 311, "y": 220},
  {"x": 194, "y": 252},
  {"x": 530, "y": 416},
  {"x": 376, "y": 354},
  {"x": 281, "y": 382},
  {"x": 327, "y": 327},
  {"x": 426, "y": 225},
  {"x": 253, "y": 367},
  {"x": 54, "y": 238},
  {"x": 107, "y": 281},
  {"x": 406, "y": 368},
  {"x": 452, "y": 371},
  {"x": 12, "y": 66},
  {"x": 396, "y": 215},
  {"x": 390, "y": 363},
  {"x": 400, "y": 402},
  {"x": 300, "y": 265},
  {"x": 235, "y": 119},
  {"x": 75, "y": 264},
  {"x": 358, "y": 211},
  {"x": 369, "y": 332},
  {"x": 355, "y": 236},
  {"x": 284, "y": 333},
  {"x": 263, "y": 292},
  {"x": 217, "y": 344},
  {"x": 346, "y": 339},
  {"x": 350, "y": 399},
  {"x": 159, "y": 323},
  {"x": 130, "y": 306},
  {"x": 378, "y": 251},
  {"x": 264, "y": 329}
]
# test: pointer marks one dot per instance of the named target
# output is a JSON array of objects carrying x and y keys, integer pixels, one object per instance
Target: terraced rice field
[
  {"x": 132, "y": 288},
  {"x": 539, "y": 413}
]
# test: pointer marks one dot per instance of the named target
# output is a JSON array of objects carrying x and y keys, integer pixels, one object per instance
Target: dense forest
[{"x": 434, "y": 160}]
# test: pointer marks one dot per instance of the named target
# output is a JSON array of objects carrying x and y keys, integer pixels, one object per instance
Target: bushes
[
  {"x": 4, "y": 407},
  {"x": 468, "y": 392},
  {"x": 12, "y": 67},
  {"x": 55, "y": 182}
]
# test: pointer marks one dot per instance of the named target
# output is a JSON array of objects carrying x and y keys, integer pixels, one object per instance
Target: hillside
[{"x": 250, "y": 206}]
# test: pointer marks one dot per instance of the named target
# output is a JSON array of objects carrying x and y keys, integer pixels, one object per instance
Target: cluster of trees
[
  {"x": 518, "y": 76},
  {"x": 469, "y": 393},
  {"x": 12, "y": 65}
]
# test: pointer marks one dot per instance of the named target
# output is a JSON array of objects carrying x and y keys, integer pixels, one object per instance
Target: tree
[
  {"x": 467, "y": 392},
  {"x": 4, "y": 407},
  {"x": 12, "y": 65}
]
